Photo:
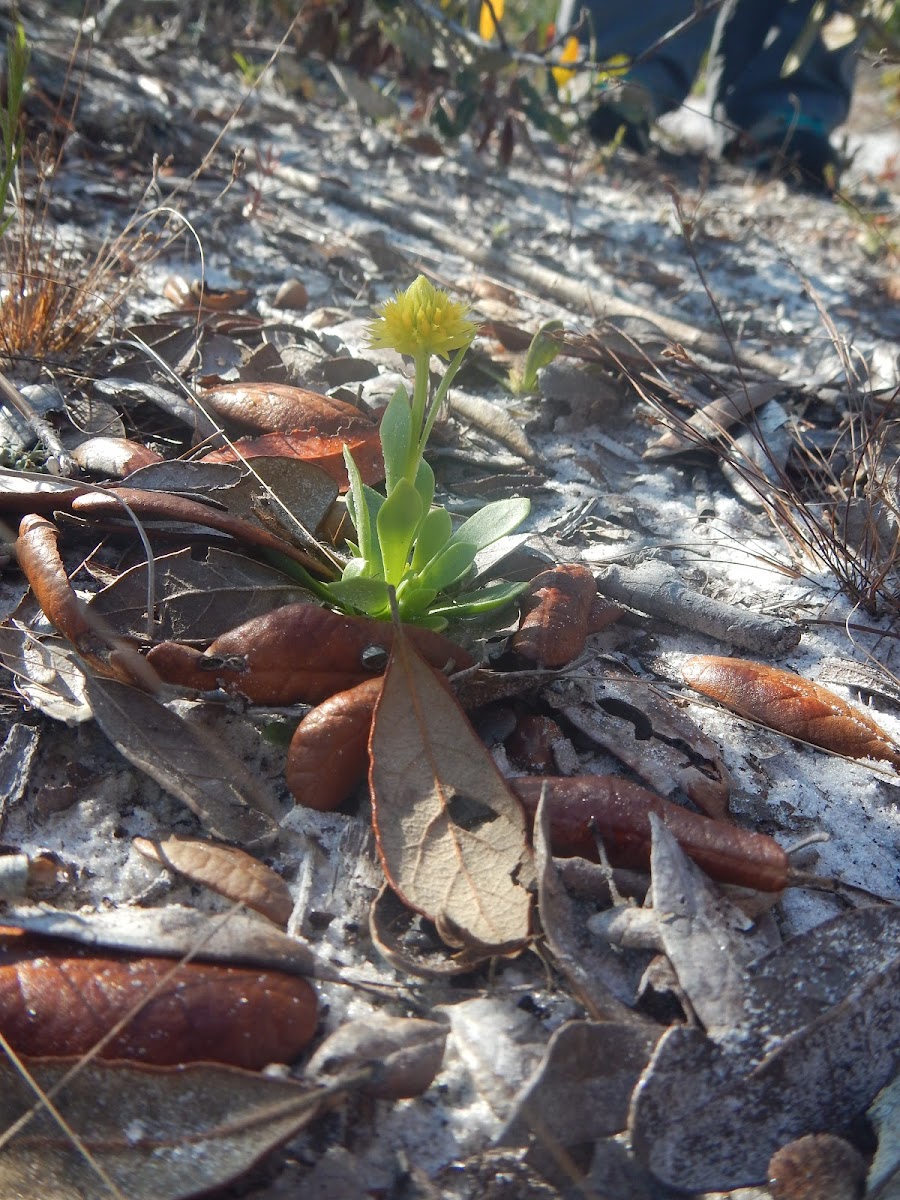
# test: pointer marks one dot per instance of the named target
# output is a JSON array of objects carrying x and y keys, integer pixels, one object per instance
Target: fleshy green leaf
[
  {"x": 413, "y": 600},
  {"x": 434, "y": 534},
  {"x": 542, "y": 351},
  {"x": 493, "y": 521},
  {"x": 449, "y": 566},
  {"x": 425, "y": 485},
  {"x": 396, "y": 432},
  {"x": 486, "y": 599},
  {"x": 358, "y": 509},
  {"x": 397, "y": 522},
  {"x": 369, "y": 596}
]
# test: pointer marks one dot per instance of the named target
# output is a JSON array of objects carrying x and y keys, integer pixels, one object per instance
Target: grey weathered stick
[
  {"x": 509, "y": 266},
  {"x": 655, "y": 588}
]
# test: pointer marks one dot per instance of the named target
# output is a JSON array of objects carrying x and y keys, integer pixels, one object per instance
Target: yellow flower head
[{"x": 422, "y": 320}]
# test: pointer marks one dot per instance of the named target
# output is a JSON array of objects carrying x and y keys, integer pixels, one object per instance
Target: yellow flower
[
  {"x": 570, "y": 51},
  {"x": 487, "y": 25},
  {"x": 422, "y": 320}
]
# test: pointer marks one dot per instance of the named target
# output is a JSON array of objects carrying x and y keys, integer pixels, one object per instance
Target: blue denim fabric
[{"x": 748, "y": 41}]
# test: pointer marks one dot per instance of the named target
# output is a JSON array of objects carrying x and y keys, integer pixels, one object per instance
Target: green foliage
[
  {"x": 404, "y": 544},
  {"x": 543, "y": 349}
]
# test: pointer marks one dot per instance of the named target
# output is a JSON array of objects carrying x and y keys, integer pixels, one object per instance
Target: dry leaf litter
[{"x": 350, "y": 208}]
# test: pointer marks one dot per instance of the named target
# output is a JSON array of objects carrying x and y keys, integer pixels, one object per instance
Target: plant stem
[
  {"x": 419, "y": 400},
  {"x": 439, "y": 397}
]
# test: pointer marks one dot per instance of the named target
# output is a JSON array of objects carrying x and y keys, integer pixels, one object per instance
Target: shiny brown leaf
[
  {"x": 585, "y": 807},
  {"x": 790, "y": 705},
  {"x": 59, "y": 1000},
  {"x": 556, "y": 613},
  {"x": 329, "y": 752},
  {"x": 296, "y": 653}
]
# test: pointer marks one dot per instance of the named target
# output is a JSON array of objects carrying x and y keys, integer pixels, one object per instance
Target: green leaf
[
  {"x": 363, "y": 504},
  {"x": 434, "y": 533},
  {"x": 397, "y": 522},
  {"x": 493, "y": 521},
  {"x": 368, "y": 596},
  {"x": 486, "y": 599},
  {"x": 413, "y": 600},
  {"x": 425, "y": 485},
  {"x": 449, "y": 566},
  {"x": 542, "y": 351},
  {"x": 396, "y": 433}
]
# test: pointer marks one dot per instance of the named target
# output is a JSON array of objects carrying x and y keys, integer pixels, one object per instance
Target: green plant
[
  {"x": 544, "y": 347},
  {"x": 405, "y": 543},
  {"x": 18, "y": 55}
]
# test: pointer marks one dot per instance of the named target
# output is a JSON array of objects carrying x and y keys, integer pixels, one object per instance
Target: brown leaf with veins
[
  {"x": 788, "y": 704},
  {"x": 58, "y": 1000},
  {"x": 325, "y": 450},
  {"x": 296, "y": 653},
  {"x": 282, "y": 407},
  {"x": 223, "y": 869},
  {"x": 451, "y": 837}
]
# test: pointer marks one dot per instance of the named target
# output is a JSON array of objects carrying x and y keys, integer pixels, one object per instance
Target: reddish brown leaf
[
  {"x": 531, "y": 742},
  {"x": 790, "y": 705},
  {"x": 297, "y": 653},
  {"x": 556, "y": 616},
  {"x": 329, "y": 752},
  {"x": 281, "y": 408},
  {"x": 325, "y": 450},
  {"x": 224, "y": 869},
  {"x": 36, "y": 550},
  {"x": 586, "y": 807},
  {"x": 167, "y": 507},
  {"x": 56, "y": 1000}
]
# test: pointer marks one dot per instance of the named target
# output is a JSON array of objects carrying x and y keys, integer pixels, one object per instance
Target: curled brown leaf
[
  {"x": 329, "y": 752},
  {"x": 586, "y": 807},
  {"x": 57, "y": 1000},
  {"x": 296, "y": 653},
  {"x": 558, "y": 612},
  {"x": 790, "y": 705}
]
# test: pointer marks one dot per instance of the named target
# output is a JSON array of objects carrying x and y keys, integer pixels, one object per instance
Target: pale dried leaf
[
  {"x": 821, "y": 1036},
  {"x": 146, "y": 1128},
  {"x": 173, "y": 930},
  {"x": 47, "y": 674},
  {"x": 604, "y": 981},
  {"x": 644, "y": 728},
  {"x": 223, "y": 869},
  {"x": 194, "y": 766},
  {"x": 708, "y": 940},
  {"x": 884, "y": 1175},
  {"x": 451, "y": 836},
  {"x": 406, "y": 1051},
  {"x": 580, "y": 1091},
  {"x": 197, "y": 599},
  {"x": 491, "y": 419}
]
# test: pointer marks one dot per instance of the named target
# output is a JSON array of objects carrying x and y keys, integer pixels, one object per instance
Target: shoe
[
  {"x": 803, "y": 157},
  {"x": 625, "y": 112}
]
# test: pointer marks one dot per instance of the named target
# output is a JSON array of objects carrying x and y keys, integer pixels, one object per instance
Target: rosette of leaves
[{"x": 404, "y": 543}]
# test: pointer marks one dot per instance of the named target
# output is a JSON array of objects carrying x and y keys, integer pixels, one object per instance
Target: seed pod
[
  {"x": 788, "y": 704},
  {"x": 587, "y": 807}
]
